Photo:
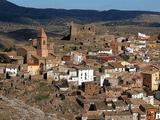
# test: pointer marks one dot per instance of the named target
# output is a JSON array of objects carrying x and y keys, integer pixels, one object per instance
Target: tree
[
  {"x": 62, "y": 97},
  {"x": 124, "y": 57}
]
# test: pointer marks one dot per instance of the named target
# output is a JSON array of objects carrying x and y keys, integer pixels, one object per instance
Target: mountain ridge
[{"x": 9, "y": 12}]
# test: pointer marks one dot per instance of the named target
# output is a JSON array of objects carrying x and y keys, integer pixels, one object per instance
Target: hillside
[
  {"x": 13, "y": 109},
  {"x": 20, "y": 23},
  {"x": 6, "y": 42}
]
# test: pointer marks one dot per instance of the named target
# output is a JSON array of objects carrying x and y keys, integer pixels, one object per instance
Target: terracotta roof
[
  {"x": 51, "y": 56},
  {"x": 92, "y": 115},
  {"x": 137, "y": 110},
  {"x": 116, "y": 65},
  {"x": 150, "y": 69},
  {"x": 38, "y": 57},
  {"x": 122, "y": 113},
  {"x": 136, "y": 101},
  {"x": 12, "y": 66},
  {"x": 106, "y": 58},
  {"x": 148, "y": 106}
]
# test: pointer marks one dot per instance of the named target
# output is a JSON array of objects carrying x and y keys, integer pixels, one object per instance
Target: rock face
[{"x": 13, "y": 109}]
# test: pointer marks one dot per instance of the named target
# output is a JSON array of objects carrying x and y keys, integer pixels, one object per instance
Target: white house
[
  {"x": 92, "y": 53},
  {"x": 73, "y": 75},
  {"x": 12, "y": 70},
  {"x": 143, "y": 36},
  {"x": 129, "y": 50},
  {"x": 141, "y": 44},
  {"x": 64, "y": 76},
  {"x": 149, "y": 99},
  {"x": 85, "y": 75},
  {"x": 106, "y": 51},
  {"x": 146, "y": 59},
  {"x": 102, "y": 78},
  {"x": 77, "y": 57},
  {"x": 135, "y": 115},
  {"x": 79, "y": 75},
  {"x": 72, "y": 72},
  {"x": 121, "y": 39},
  {"x": 131, "y": 68},
  {"x": 157, "y": 114}
]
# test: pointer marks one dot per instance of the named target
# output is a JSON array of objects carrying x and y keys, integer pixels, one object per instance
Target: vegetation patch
[
  {"x": 124, "y": 57},
  {"x": 41, "y": 97}
]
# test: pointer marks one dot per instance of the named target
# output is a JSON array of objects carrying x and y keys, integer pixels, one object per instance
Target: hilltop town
[{"x": 90, "y": 75}]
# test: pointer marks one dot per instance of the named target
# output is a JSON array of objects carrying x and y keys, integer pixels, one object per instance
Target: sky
[{"x": 146, "y": 5}]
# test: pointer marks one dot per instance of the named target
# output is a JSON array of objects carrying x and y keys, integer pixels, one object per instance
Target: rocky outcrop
[{"x": 13, "y": 109}]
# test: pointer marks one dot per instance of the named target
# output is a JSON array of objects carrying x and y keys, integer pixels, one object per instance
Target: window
[{"x": 44, "y": 42}]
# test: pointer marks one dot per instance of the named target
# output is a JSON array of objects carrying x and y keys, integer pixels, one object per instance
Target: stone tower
[
  {"x": 42, "y": 49},
  {"x": 73, "y": 31}
]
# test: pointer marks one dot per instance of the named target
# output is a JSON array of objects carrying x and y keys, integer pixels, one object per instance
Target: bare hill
[{"x": 13, "y": 109}]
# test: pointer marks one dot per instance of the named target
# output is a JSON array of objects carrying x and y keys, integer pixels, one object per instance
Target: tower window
[{"x": 44, "y": 42}]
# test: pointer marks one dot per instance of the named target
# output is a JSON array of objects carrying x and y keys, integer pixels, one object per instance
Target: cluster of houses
[
  {"x": 117, "y": 82},
  {"x": 117, "y": 103}
]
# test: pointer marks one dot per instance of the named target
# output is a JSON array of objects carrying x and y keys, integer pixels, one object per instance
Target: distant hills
[
  {"x": 18, "y": 23},
  {"x": 10, "y": 12}
]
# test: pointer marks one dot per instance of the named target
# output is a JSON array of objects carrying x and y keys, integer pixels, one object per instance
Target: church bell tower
[{"x": 42, "y": 49}]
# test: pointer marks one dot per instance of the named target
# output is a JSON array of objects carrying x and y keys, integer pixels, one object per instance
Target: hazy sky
[{"x": 151, "y": 5}]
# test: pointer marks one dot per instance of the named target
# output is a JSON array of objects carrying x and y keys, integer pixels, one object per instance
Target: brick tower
[{"x": 42, "y": 49}]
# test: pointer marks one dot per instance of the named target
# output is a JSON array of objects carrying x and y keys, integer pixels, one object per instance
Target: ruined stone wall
[{"x": 80, "y": 31}]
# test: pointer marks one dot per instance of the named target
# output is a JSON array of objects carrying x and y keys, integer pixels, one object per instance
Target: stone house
[
  {"x": 92, "y": 115},
  {"x": 117, "y": 66},
  {"x": 120, "y": 105},
  {"x": 90, "y": 88},
  {"x": 33, "y": 69},
  {"x": 123, "y": 115},
  {"x": 112, "y": 94},
  {"x": 2, "y": 68},
  {"x": 149, "y": 110},
  {"x": 135, "y": 94},
  {"x": 151, "y": 77},
  {"x": 52, "y": 75}
]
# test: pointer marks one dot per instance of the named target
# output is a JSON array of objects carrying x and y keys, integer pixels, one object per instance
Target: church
[{"x": 39, "y": 55}]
